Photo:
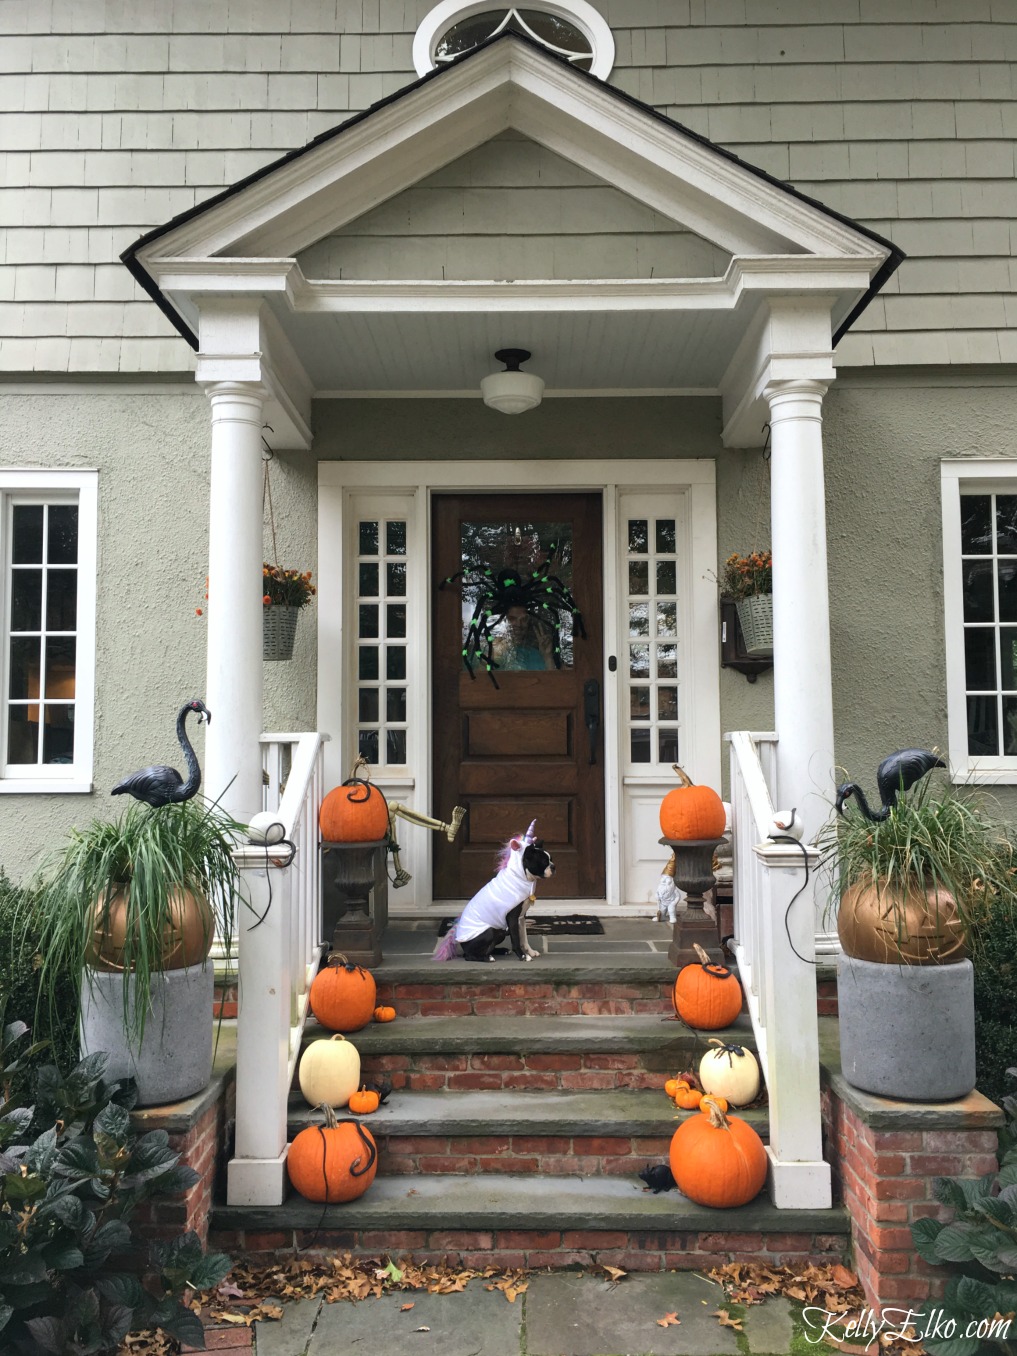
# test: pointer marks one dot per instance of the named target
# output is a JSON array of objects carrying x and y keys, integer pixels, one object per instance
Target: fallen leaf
[
  {"x": 842, "y": 1277},
  {"x": 404, "y": 1308},
  {"x": 726, "y": 1321},
  {"x": 421, "y": 1329},
  {"x": 668, "y": 1321},
  {"x": 615, "y": 1273}
]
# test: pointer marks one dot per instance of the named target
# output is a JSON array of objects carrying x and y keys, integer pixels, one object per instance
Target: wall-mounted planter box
[{"x": 733, "y": 654}]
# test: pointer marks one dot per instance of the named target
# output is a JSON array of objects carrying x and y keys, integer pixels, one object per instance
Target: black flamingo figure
[
  {"x": 164, "y": 785},
  {"x": 896, "y": 773}
]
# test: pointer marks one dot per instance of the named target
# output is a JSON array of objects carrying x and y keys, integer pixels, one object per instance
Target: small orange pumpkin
[
  {"x": 717, "y": 1160},
  {"x": 706, "y": 996},
  {"x": 709, "y": 1099},
  {"x": 671, "y": 1086},
  {"x": 355, "y": 812},
  {"x": 333, "y": 1162},
  {"x": 384, "y": 1014},
  {"x": 365, "y": 1101},
  {"x": 691, "y": 812},
  {"x": 343, "y": 995},
  {"x": 686, "y": 1098}
]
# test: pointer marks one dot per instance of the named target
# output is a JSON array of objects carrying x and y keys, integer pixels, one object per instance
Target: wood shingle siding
[{"x": 119, "y": 114}]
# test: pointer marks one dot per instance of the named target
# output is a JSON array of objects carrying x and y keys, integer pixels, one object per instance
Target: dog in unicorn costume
[{"x": 499, "y": 909}]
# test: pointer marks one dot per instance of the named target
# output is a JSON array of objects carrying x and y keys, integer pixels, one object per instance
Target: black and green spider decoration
[{"x": 542, "y": 595}]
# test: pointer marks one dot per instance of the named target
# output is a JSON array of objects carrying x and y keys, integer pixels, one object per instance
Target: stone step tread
[
  {"x": 603, "y": 1115},
  {"x": 653, "y": 967},
  {"x": 595, "y": 1034},
  {"x": 502, "y": 1201}
]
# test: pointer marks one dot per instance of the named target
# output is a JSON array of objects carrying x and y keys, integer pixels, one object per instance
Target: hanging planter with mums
[
  {"x": 748, "y": 580},
  {"x": 285, "y": 592}
]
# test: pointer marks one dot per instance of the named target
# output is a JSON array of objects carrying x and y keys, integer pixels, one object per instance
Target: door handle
[{"x": 591, "y": 714}]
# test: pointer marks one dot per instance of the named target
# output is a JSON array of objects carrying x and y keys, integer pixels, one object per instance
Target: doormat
[{"x": 571, "y": 925}]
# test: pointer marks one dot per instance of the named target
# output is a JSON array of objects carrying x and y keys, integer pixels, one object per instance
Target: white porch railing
[
  {"x": 774, "y": 922},
  {"x": 278, "y": 934}
]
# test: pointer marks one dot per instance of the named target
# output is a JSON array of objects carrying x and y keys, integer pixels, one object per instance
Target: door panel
[{"x": 520, "y": 751}]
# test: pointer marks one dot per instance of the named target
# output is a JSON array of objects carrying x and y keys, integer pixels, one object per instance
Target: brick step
[
  {"x": 546, "y": 987},
  {"x": 589, "y": 1053},
  {"x": 552, "y": 1133},
  {"x": 502, "y": 1220}
]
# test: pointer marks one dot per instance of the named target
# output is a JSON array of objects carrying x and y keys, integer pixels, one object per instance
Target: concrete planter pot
[
  {"x": 907, "y": 1031},
  {"x": 174, "y": 1058}
]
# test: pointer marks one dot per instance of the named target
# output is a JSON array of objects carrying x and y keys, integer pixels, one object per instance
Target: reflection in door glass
[
  {"x": 653, "y": 614},
  {"x": 519, "y": 638}
]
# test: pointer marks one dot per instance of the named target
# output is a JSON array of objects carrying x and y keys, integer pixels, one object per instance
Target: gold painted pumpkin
[
  {"x": 875, "y": 922},
  {"x": 329, "y": 1071},
  {"x": 333, "y": 1162},
  {"x": 355, "y": 812},
  {"x": 717, "y": 1160},
  {"x": 186, "y": 941},
  {"x": 706, "y": 996},
  {"x": 691, "y": 812},
  {"x": 731, "y": 1071},
  {"x": 343, "y": 995}
]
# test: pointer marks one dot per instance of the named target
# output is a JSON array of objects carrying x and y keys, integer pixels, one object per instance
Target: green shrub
[
  {"x": 994, "y": 954},
  {"x": 72, "y": 1275},
  {"x": 51, "y": 1017}
]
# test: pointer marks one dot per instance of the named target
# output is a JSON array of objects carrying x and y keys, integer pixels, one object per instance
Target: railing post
[
  {"x": 257, "y": 1172},
  {"x": 799, "y": 1177}
]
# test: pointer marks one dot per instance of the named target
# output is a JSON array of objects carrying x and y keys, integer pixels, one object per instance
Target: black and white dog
[{"x": 499, "y": 909}]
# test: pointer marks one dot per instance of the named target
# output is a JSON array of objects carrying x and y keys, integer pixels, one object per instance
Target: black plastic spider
[{"x": 542, "y": 595}]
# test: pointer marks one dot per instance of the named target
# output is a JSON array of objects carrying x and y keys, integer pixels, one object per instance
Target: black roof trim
[{"x": 141, "y": 274}]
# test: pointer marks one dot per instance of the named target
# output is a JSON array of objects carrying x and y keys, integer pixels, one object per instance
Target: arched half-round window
[{"x": 572, "y": 29}]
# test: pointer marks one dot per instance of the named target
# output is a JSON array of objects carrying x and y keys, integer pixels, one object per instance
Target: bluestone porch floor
[{"x": 413, "y": 939}]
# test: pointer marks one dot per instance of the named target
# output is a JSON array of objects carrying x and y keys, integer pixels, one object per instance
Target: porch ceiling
[{"x": 586, "y": 351}]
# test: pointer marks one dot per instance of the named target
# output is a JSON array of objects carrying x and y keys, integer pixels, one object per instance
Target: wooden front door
[{"x": 533, "y": 747}]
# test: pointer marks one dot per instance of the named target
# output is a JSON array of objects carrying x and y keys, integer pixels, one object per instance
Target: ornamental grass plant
[
  {"x": 937, "y": 837},
  {"x": 158, "y": 852}
]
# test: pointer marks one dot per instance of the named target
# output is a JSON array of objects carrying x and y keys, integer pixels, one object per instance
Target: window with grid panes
[
  {"x": 380, "y": 572},
  {"x": 652, "y": 615},
  {"x": 47, "y": 605},
  {"x": 989, "y": 573}
]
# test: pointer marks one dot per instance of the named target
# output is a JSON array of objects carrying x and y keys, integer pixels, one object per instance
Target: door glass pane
[
  {"x": 667, "y": 661},
  {"x": 639, "y": 537},
  {"x": 367, "y": 745},
  {"x": 396, "y": 746},
  {"x": 666, "y": 576},
  {"x": 369, "y": 620},
  {"x": 395, "y": 662},
  {"x": 639, "y": 661},
  {"x": 639, "y": 745},
  {"x": 368, "y": 580},
  {"x": 368, "y": 539},
  {"x": 639, "y": 703},
  {"x": 396, "y": 620},
  {"x": 639, "y": 619},
  {"x": 665, "y": 536},
  {"x": 368, "y": 704},
  {"x": 639, "y": 577},
  {"x": 368, "y": 662},
  {"x": 667, "y": 619},
  {"x": 667, "y": 746},
  {"x": 395, "y": 703},
  {"x": 516, "y": 593},
  {"x": 667, "y": 703},
  {"x": 395, "y": 538}
]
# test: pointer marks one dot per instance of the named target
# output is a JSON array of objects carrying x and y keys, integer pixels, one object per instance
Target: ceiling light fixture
[{"x": 512, "y": 391}]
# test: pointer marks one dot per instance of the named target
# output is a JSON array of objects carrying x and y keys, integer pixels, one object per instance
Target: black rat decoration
[{"x": 541, "y": 596}]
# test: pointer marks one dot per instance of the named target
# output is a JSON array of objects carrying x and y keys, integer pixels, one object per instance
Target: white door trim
[{"x": 339, "y": 481}]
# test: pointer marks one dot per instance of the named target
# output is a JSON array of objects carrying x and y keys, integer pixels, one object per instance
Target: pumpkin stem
[
  {"x": 717, "y": 1118},
  {"x": 683, "y": 776},
  {"x": 330, "y": 1120},
  {"x": 703, "y": 955}
]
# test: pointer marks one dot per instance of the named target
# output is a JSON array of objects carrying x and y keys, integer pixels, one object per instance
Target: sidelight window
[
  {"x": 652, "y": 613},
  {"x": 381, "y": 621}
]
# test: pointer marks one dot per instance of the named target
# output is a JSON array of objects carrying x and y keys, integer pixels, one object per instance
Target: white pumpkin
[
  {"x": 265, "y": 829},
  {"x": 730, "y": 1071},
  {"x": 330, "y": 1071}
]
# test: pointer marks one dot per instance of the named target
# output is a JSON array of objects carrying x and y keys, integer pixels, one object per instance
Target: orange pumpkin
[
  {"x": 709, "y": 1099},
  {"x": 671, "y": 1086},
  {"x": 355, "y": 812},
  {"x": 706, "y": 996},
  {"x": 384, "y": 1014},
  {"x": 343, "y": 995},
  {"x": 717, "y": 1160},
  {"x": 686, "y": 1098},
  {"x": 691, "y": 812},
  {"x": 365, "y": 1101},
  {"x": 333, "y": 1162}
]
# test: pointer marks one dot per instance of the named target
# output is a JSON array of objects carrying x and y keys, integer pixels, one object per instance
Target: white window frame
[
  {"x": 983, "y": 476},
  {"x": 55, "y": 486},
  {"x": 440, "y": 19}
]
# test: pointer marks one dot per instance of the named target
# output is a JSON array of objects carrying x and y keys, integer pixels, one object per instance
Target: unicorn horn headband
[{"x": 530, "y": 833}]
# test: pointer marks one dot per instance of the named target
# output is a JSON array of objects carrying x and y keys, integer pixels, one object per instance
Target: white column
[
  {"x": 234, "y": 677},
  {"x": 802, "y": 683}
]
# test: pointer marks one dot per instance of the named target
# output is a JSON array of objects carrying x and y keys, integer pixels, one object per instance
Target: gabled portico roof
[{"x": 244, "y": 241}]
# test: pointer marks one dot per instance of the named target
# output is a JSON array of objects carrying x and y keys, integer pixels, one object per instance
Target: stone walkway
[{"x": 560, "y": 1314}]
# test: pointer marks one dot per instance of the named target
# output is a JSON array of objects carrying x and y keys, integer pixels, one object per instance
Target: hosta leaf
[
  {"x": 209, "y": 1271},
  {"x": 994, "y": 1208},
  {"x": 185, "y": 1326},
  {"x": 114, "y": 1236},
  {"x": 988, "y": 1247},
  {"x": 977, "y": 1297},
  {"x": 117, "y": 1321},
  {"x": 954, "y": 1242},
  {"x": 949, "y": 1191},
  {"x": 113, "y": 1122},
  {"x": 924, "y": 1233},
  {"x": 49, "y": 1334},
  {"x": 42, "y": 1153},
  {"x": 28, "y": 1269},
  {"x": 78, "y": 1160},
  {"x": 1009, "y": 1196},
  {"x": 1007, "y": 1175},
  {"x": 64, "y": 1257},
  {"x": 121, "y": 1288},
  {"x": 177, "y": 1180}
]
